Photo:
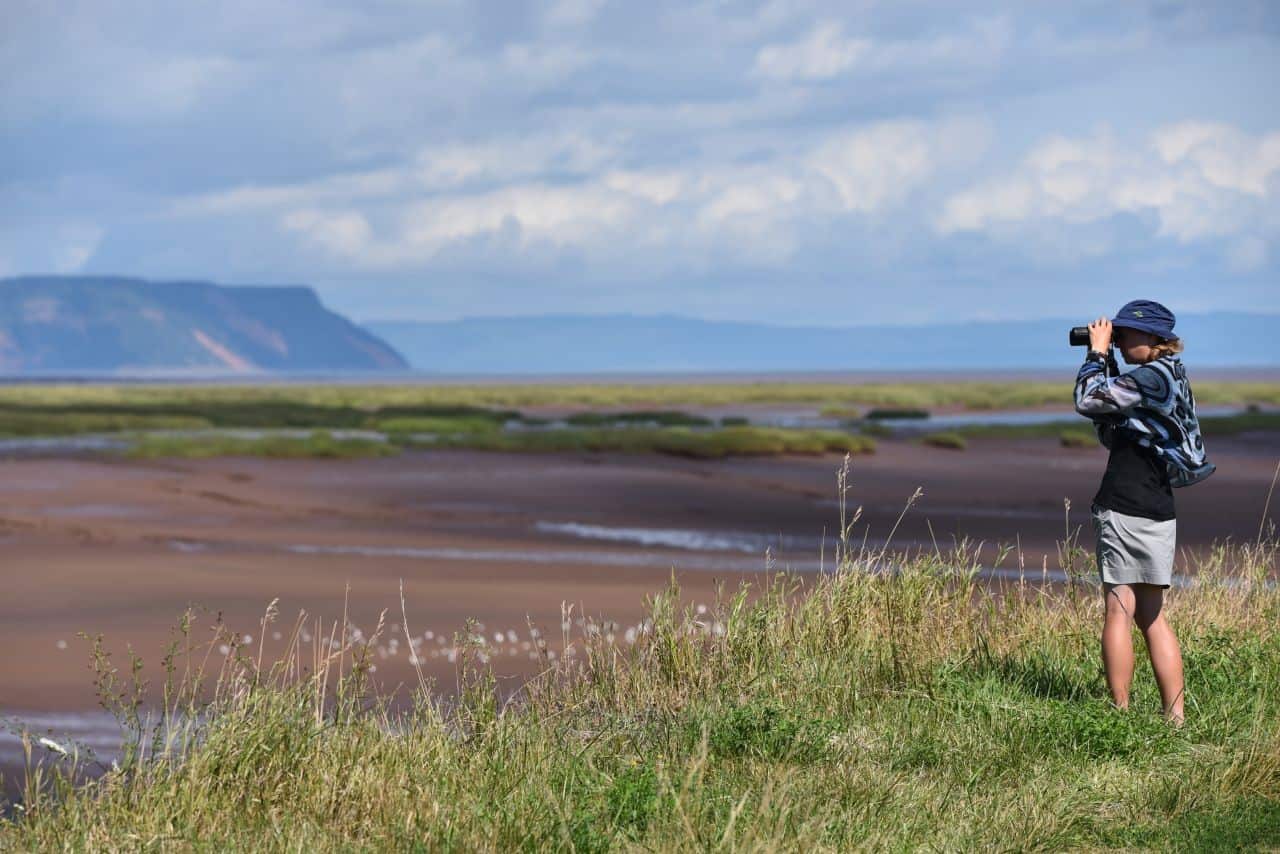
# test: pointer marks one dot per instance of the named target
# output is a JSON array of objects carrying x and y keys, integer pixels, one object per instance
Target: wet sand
[{"x": 120, "y": 547}]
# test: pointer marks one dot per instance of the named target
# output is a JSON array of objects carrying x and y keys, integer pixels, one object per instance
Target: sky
[{"x": 805, "y": 163}]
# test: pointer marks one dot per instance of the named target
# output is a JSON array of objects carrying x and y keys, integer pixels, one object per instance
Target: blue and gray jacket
[{"x": 1153, "y": 405}]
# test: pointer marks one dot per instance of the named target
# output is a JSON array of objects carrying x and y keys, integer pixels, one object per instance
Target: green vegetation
[
  {"x": 367, "y": 398},
  {"x": 319, "y": 444},
  {"x": 951, "y": 441},
  {"x": 665, "y": 418},
  {"x": 481, "y": 418},
  {"x": 1076, "y": 432},
  {"x": 73, "y": 423},
  {"x": 465, "y": 424},
  {"x": 848, "y": 413},
  {"x": 674, "y": 441},
  {"x": 911, "y": 711},
  {"x": 1230, "y": 425},
  {"x": 885, "y": 413},
  {"x": 1078, "y": 439}
]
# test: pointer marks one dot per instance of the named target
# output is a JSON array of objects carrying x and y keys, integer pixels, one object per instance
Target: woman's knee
[
  {"x": 1120, "y": 601},
  {"x": 1148, "y": 605}
]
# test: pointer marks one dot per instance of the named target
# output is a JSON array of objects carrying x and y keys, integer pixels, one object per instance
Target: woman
[{"x": 1147, "y": 418}]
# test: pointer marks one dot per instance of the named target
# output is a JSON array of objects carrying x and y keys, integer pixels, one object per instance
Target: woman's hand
[{"x": 1100, "y": 335}]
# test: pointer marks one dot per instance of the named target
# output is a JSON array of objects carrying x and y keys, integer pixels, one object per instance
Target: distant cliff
[{"x": 97, "y": 324}]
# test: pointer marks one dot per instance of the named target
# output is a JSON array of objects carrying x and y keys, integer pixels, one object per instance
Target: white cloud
[
  {"x": 756, "y": 210},
  {"x": 342, "y": 232},
  {"x": 873, "y": 167},
  {"x": 1194, "y": 180},
  {"x": 572, "y": 13},
  {"x": 824, "y": 53},
  {"x": 827, "y": 52}
]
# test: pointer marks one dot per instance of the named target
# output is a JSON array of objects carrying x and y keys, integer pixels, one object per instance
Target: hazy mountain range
[
  {"x": 623, "y": 343},
  {"x": 52, "y": 324}
]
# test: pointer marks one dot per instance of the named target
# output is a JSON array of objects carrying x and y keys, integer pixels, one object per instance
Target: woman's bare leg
[
  {"x": 1162, "y": 645},
  {"x": 1117, "y": 641}
]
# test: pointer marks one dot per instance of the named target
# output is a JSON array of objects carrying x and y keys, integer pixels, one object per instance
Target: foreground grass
[{"x": 917, "y": 710}]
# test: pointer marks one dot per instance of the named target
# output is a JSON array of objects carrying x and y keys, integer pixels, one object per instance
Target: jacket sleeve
[{"x": 1097, "y": 394}]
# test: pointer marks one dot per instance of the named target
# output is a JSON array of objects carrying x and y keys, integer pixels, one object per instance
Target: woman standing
[{"x": 1147, "y": 418}]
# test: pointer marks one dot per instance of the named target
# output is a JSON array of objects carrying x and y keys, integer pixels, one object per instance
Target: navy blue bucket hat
[{"x": 1148, "y": 316}]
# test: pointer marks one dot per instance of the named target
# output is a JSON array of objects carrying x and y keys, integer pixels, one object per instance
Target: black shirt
[{"x": 1136, "y": 482}]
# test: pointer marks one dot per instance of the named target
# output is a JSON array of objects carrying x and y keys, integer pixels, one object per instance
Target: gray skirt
[{"x": 1134, "y": 550}]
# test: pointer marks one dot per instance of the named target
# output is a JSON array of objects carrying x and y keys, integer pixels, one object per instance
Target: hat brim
[{"x": 1159, "y": 331}]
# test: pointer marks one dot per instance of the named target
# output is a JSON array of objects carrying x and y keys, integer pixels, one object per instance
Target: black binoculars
[{"x": 1079, "y": 336}]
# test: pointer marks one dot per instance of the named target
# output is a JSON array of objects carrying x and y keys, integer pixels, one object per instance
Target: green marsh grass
[
  {"x": 672, "y": 441},
  {"x": 366, "y": 398},
  {"x": 918, "y": 709},
  {"x": 663, "y": 417},
  {"x": 896, "y": 413},
  {"x": 949, "y": 440},
  {"x": 318, "y": 444}
]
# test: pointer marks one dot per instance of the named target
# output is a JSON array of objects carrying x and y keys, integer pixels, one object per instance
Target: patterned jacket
[{"x": 1154, "y": 406}]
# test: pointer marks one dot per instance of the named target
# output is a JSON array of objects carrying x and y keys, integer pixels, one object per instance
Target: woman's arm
[{"x": 1097, "y": 394}]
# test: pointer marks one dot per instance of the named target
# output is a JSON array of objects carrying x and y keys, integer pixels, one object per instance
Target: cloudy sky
[{"x": 796, "y": 162}]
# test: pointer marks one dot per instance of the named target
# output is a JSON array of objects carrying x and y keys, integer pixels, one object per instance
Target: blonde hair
[{"x": 1171, "y": 347}]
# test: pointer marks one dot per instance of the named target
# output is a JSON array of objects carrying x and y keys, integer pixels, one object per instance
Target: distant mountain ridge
[
  {"x": 664, "y": 343},
  {"x": 108, "y": 324}
]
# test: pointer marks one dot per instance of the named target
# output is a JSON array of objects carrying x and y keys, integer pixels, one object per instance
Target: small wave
[
  {"x": 679, "y": 538},
  {"x": 98, "y": 731},
  {"x": 633, "y": 559}
]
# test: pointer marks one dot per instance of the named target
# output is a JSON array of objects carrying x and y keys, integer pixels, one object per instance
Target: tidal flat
[{"x": 529, "y": 550}]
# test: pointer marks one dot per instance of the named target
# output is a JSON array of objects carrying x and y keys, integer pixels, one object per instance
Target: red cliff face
[{"x": 117, "y": 325}]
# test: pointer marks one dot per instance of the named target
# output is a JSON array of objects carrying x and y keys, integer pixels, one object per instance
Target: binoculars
[{"x": 1079, "y": 336}]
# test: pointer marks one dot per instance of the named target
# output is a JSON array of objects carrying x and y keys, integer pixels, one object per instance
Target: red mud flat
[{"x": 121, "y": 547}]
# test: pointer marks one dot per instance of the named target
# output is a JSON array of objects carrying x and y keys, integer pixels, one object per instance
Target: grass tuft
[{"x": 950, "y": 440}]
